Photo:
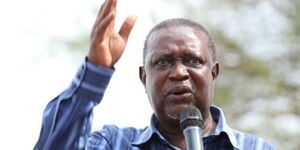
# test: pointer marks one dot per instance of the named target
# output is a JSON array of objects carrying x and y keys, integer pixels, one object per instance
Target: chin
[
  {"x": 173, "y": 119},
  {"x": 173, "y": 111},
  {"x": 175, "y": 116}
]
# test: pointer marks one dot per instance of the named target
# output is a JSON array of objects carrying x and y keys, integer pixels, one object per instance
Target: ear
[
  {"x": 142, "y": 75},
  {"x": 215, "y": 71}
]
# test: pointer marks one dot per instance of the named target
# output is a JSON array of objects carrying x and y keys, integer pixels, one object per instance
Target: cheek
[
  {"x": 156, "y": 80},
  {"x": 155, "y": 83},
  {"x": 201, "y": 80}
]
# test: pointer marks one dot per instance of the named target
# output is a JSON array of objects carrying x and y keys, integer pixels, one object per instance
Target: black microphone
[{"x": 191, "y": 123}]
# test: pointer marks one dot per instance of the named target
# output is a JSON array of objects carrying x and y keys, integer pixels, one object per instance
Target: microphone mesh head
[{"x": 190, "y": 116}]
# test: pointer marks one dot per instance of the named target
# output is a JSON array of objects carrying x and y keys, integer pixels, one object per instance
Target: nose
[{"x": 179, "y": 72}]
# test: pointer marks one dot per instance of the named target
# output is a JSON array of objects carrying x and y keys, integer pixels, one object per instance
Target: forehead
[{"x": 176, "y": 38}]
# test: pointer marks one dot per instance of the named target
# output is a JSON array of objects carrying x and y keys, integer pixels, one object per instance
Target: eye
[
  {"x": 163, "y": 62},
  {"x": 192, "y": 61}
]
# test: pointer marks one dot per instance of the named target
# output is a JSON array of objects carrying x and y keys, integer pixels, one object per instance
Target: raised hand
[{"x": 107, "y": 45}]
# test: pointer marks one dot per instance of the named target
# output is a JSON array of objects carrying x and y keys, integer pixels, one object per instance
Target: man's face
[{"x": 178, "y": 72}]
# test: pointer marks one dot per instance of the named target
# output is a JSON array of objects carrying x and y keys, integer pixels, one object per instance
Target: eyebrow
[
  {"x": 166, "y": 53},
  {"x": 159, "y": 55}
]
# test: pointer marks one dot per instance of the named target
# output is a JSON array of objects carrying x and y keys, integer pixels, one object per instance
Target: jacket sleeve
[{"x": 67, "y": 119}]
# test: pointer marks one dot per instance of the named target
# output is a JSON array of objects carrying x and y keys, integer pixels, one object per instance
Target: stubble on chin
[{"x": 174, "y": 116}]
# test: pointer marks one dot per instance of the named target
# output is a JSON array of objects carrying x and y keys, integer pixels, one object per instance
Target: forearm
[{"x": 67, "y": 119}]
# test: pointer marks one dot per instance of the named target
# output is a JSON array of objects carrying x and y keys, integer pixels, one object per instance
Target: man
[{"x": 179, "y": 70}]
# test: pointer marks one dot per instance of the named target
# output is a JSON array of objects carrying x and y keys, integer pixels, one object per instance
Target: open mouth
[{"x": 180, "y": 91}]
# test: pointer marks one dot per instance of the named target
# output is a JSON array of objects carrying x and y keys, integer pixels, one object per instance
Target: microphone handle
[{"x": 193, "y": 138}]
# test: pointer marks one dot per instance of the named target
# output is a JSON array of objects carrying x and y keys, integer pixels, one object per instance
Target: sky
[{"x": 34, "y": 69}]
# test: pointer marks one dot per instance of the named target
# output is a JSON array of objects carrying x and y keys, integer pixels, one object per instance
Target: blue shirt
[{"x": 67, "y": 123}]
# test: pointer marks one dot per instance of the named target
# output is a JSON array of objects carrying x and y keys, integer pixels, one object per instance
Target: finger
[
  {"x": 107, "y": 7},
  {"x": 101, "y": 8},
  {"x": 110, "y": 5},
  {"x": 127, "y": 27},
  {"x": 111, "y": 25},
  {"x": 99, "y": 14},
  {"x": 102, "y": 30}
]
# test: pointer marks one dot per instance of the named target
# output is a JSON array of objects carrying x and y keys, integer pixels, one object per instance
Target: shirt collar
[
  {"x": 222, "y": 126},
  {"x": 148, "y": 133},
  {"x": 217, "y": 115}
]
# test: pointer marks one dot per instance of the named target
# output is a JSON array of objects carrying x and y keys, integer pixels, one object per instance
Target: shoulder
[
  {"x": 248, "y": 141},
  {"x": 110, "y": 134}
]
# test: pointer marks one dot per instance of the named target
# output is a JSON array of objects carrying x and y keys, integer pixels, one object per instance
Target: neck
[
  {"x": 174, "y": 135},
  {"x": 209, "y": 126}
]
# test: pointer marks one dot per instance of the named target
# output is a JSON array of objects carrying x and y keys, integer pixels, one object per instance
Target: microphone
[{"x": 191, "y": 123}]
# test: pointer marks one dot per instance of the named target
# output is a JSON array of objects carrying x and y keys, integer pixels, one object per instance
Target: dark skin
[
  {"x": 106, "y": 44},
  {"x": 186, "y": 77},
  {"x": 179, "y": 72}
]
